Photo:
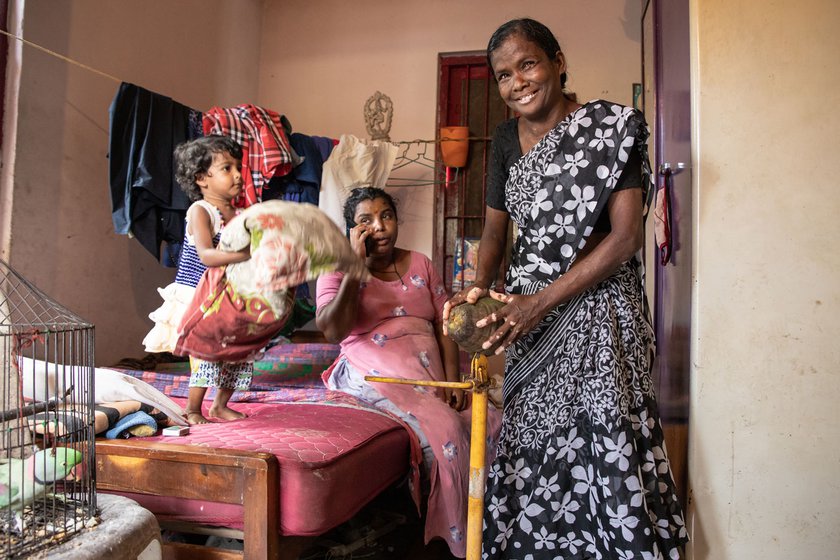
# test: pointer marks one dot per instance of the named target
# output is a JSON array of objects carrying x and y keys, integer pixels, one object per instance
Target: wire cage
[{"x": 47, "y": 486}]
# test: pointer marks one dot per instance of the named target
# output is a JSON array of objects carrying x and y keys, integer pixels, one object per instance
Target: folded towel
[{"x": 127, "y": 426}]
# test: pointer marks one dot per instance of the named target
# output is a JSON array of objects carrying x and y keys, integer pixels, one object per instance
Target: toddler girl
[{"x": 208, "y": 170}]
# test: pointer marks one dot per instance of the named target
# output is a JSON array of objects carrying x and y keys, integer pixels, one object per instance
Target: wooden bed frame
[{"x": 230, "y": 476}]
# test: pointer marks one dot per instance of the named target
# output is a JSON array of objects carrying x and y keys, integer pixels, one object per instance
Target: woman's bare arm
[
  {"x": 523, "y": 312},
  {"x": 491, "y": 250},
  {"x": 451, "y": 366}
]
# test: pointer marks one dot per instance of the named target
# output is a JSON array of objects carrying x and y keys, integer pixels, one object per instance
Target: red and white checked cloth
[{"x": 265, "y": 148}]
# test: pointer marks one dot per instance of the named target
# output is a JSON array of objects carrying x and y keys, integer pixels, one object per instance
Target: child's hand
[
  {"x": 245, "y": 254},
  {"x": 224, "y": 258}
]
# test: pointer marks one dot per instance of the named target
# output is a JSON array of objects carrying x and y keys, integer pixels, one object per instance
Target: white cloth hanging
[{"x": 353, "y": 163}]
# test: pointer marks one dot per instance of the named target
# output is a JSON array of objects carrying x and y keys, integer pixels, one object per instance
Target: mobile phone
[{"x": 368, "y": 244}]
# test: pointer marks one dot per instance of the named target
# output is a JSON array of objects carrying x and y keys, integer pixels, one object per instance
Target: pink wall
[
  {"x": 322, "y": 60},
  {"x": 317, "y": 62},
  {"x": 197, "y": 52},
  {"x": 764, "y": 449}
]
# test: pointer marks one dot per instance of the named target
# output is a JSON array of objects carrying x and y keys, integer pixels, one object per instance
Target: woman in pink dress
[{"x": 391, "y": 325}]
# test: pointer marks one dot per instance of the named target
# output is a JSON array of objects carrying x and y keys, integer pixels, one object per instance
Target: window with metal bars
[{"x": 467, "y": 96}]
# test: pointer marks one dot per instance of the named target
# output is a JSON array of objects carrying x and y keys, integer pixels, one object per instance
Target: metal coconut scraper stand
[{"x": 479, "y": 383}]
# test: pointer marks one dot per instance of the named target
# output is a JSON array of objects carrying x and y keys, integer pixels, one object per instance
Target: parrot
[{"x": 22, "y": 481}]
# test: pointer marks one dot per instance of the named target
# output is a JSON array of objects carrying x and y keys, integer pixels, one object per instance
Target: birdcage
[{"x": 47, "y": 488}]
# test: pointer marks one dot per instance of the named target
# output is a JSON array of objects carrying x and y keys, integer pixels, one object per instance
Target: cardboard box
[{"x": 466, "y": 262}]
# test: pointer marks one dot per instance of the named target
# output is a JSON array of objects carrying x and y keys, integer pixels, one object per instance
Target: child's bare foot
[
  {"x": 194, "y": 417},
  {"x": 226, "y": 413}
]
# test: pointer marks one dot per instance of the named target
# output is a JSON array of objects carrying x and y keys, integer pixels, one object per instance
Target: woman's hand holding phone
[{"x": 360, "y": 240}]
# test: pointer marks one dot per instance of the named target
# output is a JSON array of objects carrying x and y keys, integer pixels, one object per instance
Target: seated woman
[{"x": 391, "y": 325}]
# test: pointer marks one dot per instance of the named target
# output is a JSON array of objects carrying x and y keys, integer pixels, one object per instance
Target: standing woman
[{"x": 581, "y": 470}]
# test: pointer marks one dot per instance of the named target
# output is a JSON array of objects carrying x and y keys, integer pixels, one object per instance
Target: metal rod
[
  {"x": 478, "y": 384},
  {"x": 478, "y": 450},
  {"x": 34, "y": 408},
  {"x": 447, "y": 384}
]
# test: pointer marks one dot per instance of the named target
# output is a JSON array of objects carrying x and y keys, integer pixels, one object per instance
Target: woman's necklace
[
  {"x": 394, "y": 262},
  {"x": 395, "y": 271}
]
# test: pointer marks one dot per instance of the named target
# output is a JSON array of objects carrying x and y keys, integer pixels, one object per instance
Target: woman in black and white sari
[{"x": 581, "y": 470}]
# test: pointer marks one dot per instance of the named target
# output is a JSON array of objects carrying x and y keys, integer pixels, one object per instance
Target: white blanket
[{"x": 42, "y": 383}]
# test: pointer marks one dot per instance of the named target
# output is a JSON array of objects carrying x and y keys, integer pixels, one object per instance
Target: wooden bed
[
  {"x": 298, "y": 466},
  {"x": 183, "y": 471}
]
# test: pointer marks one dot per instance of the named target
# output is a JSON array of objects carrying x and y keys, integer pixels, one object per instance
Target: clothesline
[
  {"x": 119, "y": 80},
  {"x": 442, "y": 139},
  {"x": 405, "y": 159},
  {"x": 61, "y": 56}
]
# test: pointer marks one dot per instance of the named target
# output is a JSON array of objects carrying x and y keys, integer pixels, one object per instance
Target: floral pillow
[
  {"x": 239, "y": 308},
  {"x": 291, "y": 243}
]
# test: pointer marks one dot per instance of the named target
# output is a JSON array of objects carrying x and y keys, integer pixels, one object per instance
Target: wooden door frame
[{"x": 674, "y": 418}]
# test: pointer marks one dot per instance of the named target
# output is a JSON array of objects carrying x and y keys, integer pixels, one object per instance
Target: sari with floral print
[{"x": 581, "y": 470}]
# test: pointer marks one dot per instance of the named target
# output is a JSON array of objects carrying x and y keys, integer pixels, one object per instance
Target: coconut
[{"x": 462, "y": 329}]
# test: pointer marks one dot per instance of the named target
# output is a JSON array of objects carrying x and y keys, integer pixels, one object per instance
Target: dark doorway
[{"x": 467, "y": 97}]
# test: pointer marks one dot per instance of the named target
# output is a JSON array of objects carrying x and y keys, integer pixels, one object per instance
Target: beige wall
[
  {"x": 764, "y": 454},
  {"x": 198, "y": 52},
  {"x": 765, "y": 422},
  {"x": 322, "y": 60},
  {"x": 317, "y": 62}
]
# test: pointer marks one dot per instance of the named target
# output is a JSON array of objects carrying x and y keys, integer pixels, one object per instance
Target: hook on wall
[{"x": 415, "y": 167}]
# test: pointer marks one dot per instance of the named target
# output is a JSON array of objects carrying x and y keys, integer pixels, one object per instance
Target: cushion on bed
[
  {"x": 333, "y": 461},
  {"x": 290, "y": 364},
  {"x": 294, "y": 365},
  {"x": 67, "y": 420}
]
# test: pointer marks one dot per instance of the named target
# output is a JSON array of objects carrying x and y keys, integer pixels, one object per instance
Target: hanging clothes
[
  {"x": 325, "y": 145},
  {"x": 353, "y": 163},
  {"x": 144, "y": 128},
  {"x": 266, "y": 151},
  {"x": 304, "y": 181}
]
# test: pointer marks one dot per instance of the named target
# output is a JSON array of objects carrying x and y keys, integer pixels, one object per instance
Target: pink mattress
[{"x": 333, "y": 460}]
